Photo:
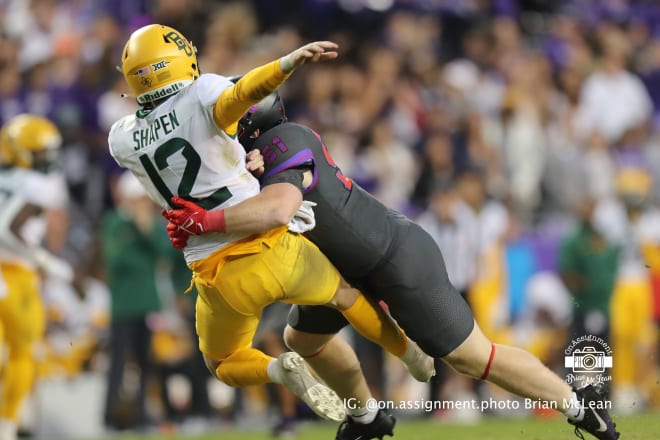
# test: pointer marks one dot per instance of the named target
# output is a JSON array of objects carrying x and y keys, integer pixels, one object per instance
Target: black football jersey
[
  {"x": 378, "y": 250},
  {"x": 353, "y": 229}
]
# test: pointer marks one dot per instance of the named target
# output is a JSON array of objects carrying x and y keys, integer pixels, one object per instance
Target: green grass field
[{"x": 639, "y": 427}]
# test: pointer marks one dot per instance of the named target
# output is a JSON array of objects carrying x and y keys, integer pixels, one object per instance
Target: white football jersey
[
  {"x": 177, "y": 149},
  {"x": 18, "y": 187}
]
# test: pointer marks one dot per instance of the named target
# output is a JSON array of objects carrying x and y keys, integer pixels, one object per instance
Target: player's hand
[
  {"x": 255, "y": 163},
  {"x": 187, "y": 216},
  {"x": 178, "y": 237},
  {"x": 309, "y": 53}
]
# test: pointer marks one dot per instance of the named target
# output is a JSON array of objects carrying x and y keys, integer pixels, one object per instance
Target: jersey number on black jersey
[{"x": 270, "y": 152}]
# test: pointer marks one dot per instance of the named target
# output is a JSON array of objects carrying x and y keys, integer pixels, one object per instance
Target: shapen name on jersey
[{"x": 144, "y": 137}]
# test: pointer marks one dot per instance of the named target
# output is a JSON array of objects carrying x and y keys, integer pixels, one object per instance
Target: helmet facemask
[{"x": 261, "y": 117}]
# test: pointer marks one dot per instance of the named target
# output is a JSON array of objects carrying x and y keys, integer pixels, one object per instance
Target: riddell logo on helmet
[{"x": 162, "y": 93}]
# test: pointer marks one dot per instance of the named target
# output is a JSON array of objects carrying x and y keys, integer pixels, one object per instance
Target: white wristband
[{"x": 286, "y": 64}]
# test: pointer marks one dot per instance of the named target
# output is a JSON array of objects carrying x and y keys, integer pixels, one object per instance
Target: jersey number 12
[{"x": 190, "y": 172}]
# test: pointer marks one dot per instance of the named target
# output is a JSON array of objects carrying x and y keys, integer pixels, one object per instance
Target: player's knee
[
  {"x": 472, "y": 366},
  {"x": 296, "y": 340},
  {"x": 302, "y": 342},
  {"x": 469, "y": 359},
  {"x": 472, "y": 356}
]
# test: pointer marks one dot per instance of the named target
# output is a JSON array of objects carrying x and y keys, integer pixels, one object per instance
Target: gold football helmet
[
  {"x": 29, "y": 141},
  {"x": 157, "y": 62},
  {"x": 634, "y": 186}
]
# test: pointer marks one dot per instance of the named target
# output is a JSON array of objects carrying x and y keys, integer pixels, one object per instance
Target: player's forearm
[
  {"x": 275, "y": 206},
  {"x": 254, "y": 86},
  {"x": 251, "y": 221},
  {"x": 262, "y": 81}
]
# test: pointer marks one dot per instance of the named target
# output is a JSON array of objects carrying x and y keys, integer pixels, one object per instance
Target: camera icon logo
[{"x": 588, "y": 360}]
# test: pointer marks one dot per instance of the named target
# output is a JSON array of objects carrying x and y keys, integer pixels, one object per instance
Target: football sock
[
  {"x": 375, "y": 325},
  {"x": 274, "y": 372},
  {"x": 18, "y": 377},
  {"x": 411, "y": 354},
  {"x": 363, "y": 415},
  {"x": 575, "y": 411},
  {"x": 244, "y": 367}
]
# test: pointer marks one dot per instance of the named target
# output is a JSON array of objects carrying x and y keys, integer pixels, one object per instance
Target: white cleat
[
  {"x": 420, "y": 365},
  {"x": 299, "y": 380}
]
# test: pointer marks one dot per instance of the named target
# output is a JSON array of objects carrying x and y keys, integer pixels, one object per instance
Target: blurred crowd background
[{"x": 523, "y": 135}]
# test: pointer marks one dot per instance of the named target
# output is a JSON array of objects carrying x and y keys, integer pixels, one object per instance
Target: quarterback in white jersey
[
  {"x": 178, "y": 145},
  {"x": 28, "y": 144},
  {"x": 182, "y": 147}
]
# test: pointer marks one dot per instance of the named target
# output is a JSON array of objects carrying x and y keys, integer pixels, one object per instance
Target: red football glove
[
  {"x": 178, "y": 237},
  {"x": 194, "y": 219}
]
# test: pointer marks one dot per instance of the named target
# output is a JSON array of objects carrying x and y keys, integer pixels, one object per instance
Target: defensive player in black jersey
[{"x": 394, "y": 260}]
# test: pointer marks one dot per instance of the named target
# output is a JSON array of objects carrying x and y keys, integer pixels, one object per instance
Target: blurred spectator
[
  {"x": 387, "y": 167},
  {"x": 437, "y": 170},
  {"x": 10, "y": 83},
  {"x": 588, "y": 265},
  {"x": 133, "y": 241},
  {"x": 523, "y": 138},
  {"x": 452, "y": 225},
  {"x": 543, "y": 328},
  {"x": 180, "y": 355},
  {"x": 650, "y": 70},
  {"x": 634, "y": 225},
  {"x": 599, "y": 168},
  {"x": 487, "y": 296},
  {"x": 612, "y": 99}
]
